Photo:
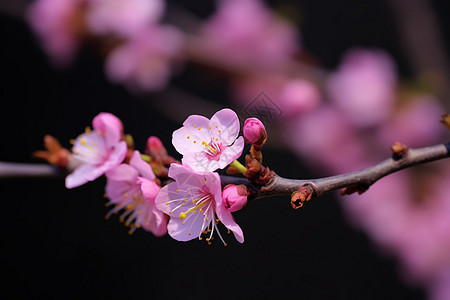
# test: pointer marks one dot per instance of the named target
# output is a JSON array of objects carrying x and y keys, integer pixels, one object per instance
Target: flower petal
[
  {"x": 228, "y": 123},
  {"x": 149, "y": 189},
  {"x": 83, "y": 174},
  {"x": 145, "y": 170},
  {"x": 193, "y": 225},
  {"x": 189, "y": 138},
  {"x": 157, "y": 224},
  {"x": 123, "y": 173},
  {"x": 227, "y": 219},
  {"x": 116, "y": 156},
  {"x": 231, "y": 153},
  {"x": 110, "y": 127}
]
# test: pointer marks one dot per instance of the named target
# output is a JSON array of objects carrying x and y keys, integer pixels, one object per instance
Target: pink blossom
[
  {"x": 132, "y": 188},
  {"x": 415, "y": 124},
  {"x": 326, "y": 138},
  {"x": 254, "y": 131},
  {"x": 234, "y": 197},
  {"x": 192, "y": 202},
  {"x": 58, "y": 25},
  {"x": 208, "y": 145},
  {"x": 246, "y": 33},
  {"x": 97, "y": 151},
  {"x": 293, "y": 96},
  {"x": 145, "y": 62},
  {"x": 363, "y": 87},
  {"x": 123, "y": 17}
]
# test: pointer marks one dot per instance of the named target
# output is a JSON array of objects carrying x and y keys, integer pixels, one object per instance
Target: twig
[
  {"x": 310, "y": 188},
  {"x": 23, "y": 170},
  {"x": 362, "y": 179}
]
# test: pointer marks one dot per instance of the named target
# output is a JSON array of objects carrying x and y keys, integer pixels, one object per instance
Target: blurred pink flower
[
  {"x": 208, "y": 145},
  {"x": 363, "y": 87},
  {"x": 58, "y": 24},
  {"x": 246, "y": 33},
  {"x": 145, "y": 61},
  {"x": 132, "y": 188},
  {"x": 123, "y": 17},
  {"x": 193, "y": 201},
  {"x": 415, "y": 124},
  {"x": 327, "y": 140},
  {"x": 293, "y": 96},
  {"x": 98, "y": 151}
]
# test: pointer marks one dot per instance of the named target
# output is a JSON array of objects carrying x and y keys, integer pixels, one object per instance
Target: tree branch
[
  {"x": 312, "y": 188},
  {"x": 362, "y": 179}
]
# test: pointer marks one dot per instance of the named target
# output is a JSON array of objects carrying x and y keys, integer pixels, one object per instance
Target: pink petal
[
  {"x": 117, "y": 155},
  {"x": 110, "y": 126},
  {"x": 229, "y": 122},
  {"x": 158, "y": 223},
  {"x": 145, "y": 170},
  {"x": 200, "y": 162},
  {"x": 124, "y": 173},
  {"x": 231, "y": 153},
  {"x": 227, "y": 219},
  {"x": 189, "y": 138},
  {"x": 149, "y": 189},
  {"x": 83, "y": 174},
  {"x": 163, "y": 197},
  {"x": 180, "y": 231}
]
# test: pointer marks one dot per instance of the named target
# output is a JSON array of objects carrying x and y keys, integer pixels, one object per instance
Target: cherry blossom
[
  {"x": 132, "y": 188},
  {"x": 246, "y": 33},
  {"x": 97, "y": 151},
  {"x": 145, "y": 61},
  {"x": 208, "y": 145},
  {"x": 193, "y": 202},
  {"x": 58, "y": 25},
  {"x": 123, "y": 17}
]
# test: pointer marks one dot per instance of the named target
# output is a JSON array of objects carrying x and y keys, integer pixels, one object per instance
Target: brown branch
[
  {"x": 357, "y": 181},
  {"x": 309, "y": 188}
]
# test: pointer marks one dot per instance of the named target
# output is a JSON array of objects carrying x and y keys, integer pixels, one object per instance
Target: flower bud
[
  {"x": 155, "y": 148},
  {"x": 234, "y": 197},
  {"x": 254, "y": 131}
]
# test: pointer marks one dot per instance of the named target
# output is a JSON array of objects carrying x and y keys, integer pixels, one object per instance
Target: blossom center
[{"x": 213, "y": 149}]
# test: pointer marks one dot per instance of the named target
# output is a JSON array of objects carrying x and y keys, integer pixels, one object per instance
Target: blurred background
[{"x": 336, "y": 84}]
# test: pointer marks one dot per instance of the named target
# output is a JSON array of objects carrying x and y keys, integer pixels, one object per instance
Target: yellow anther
[
  {"x": 88, "y": 130},
  {"x": 195, "y": 142},
  {"x": 187, "y": 192},
  {"x": 167, "y": 203},
  {"x": 139, "y": 212},
  {"x": 178, "y": 191},
  {"x": 72, "y": 141},
  {"x": 183, "y": 216},
  {"x": 207, "y": 219},
  {"x": 125, "y": 195},
  {"x": 83, "y": 142},
  {"x": 199, "y": 128},
  {"x": 209, "y": 127},
  {"x": 188, "y": 137},
  {"x": 190, "y": 233},
  {"x": 183, "y": 222},
  {"x": 195, "y": 126},
  {"x": 217, "y": 139}
]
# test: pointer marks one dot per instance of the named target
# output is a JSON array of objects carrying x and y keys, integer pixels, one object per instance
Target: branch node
[{"x": 398, "y": 150}]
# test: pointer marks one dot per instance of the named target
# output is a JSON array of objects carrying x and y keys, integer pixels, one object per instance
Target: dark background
[{"x": 57, "y": 245}]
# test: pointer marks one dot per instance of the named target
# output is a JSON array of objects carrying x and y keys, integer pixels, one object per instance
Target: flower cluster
[{"x": 153, "y": 190}]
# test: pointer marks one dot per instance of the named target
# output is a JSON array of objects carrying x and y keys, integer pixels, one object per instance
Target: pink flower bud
[
  {"x": 234, "y": 197},
  {"x": 155, "y": 147},
  {"x": 254, "y": 131}
]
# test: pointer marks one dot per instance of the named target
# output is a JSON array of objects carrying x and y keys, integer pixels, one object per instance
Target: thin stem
[{"x": 279, "y": 185}]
